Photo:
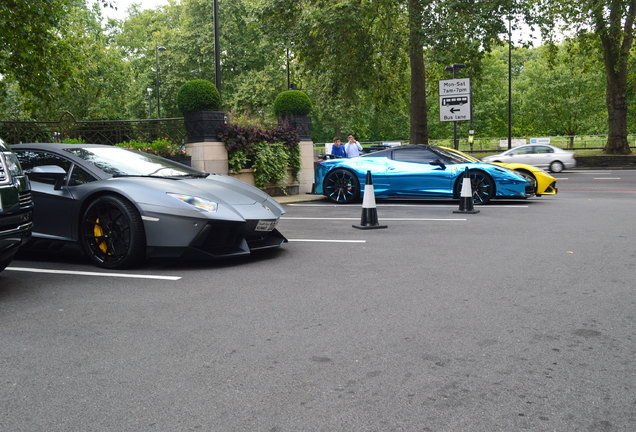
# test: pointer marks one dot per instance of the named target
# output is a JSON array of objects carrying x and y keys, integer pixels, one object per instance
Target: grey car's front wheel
[{"x": 112, "y": 233}]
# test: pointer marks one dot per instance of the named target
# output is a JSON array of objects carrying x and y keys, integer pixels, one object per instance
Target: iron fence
[
  {"x": 93, "y": 131},
  {"x": 573, "y": 142}
]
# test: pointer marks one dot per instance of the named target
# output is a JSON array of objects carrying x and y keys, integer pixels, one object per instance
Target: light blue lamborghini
[{"x": 417, "y": 171}]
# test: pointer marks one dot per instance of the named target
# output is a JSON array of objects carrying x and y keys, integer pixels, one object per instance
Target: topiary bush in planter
[
  {"x": 199, "y": 101},
  {"x": 292, "y": 102},
  {"x": 198, "y": 95},
  {"x": 292, "y": 107}
]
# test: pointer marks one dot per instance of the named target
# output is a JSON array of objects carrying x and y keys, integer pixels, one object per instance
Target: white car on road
[{"x": 539, "y": 155}]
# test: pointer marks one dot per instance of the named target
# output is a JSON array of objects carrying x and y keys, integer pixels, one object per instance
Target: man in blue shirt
[{"x": 337, "y": 149}]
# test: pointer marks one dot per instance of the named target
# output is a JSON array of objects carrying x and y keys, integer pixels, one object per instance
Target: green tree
[
  {"x": 607, "y": 26},
  {"x": 563, "y": 96}
]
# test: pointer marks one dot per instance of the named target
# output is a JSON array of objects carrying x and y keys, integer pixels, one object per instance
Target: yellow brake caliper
[{"x": 98, "y": 232}]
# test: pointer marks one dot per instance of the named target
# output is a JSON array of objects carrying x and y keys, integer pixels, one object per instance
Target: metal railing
[
  {"x": 93, "y": 131},
  {"x": 574, "y": 142}
]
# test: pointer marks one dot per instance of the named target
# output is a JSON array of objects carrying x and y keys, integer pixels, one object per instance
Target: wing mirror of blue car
[
  {"x": 48, "y": 174},
  {"x": 438, "y": 163}
]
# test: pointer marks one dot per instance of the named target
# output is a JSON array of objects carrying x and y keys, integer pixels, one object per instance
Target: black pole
[
  {"x": 217, "y": 51},
  {"x": 509, "y": 82},
  {"x": 288, "y": 76},
  {"x": 454, "y": 68},
  {"x": 157, "y": 80}
]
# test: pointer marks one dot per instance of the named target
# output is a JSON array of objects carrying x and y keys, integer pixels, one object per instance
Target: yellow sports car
[{"x": 545, "y": 184}]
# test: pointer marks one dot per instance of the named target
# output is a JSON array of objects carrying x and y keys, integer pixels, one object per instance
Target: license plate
[{"x": 266, "y": 225}]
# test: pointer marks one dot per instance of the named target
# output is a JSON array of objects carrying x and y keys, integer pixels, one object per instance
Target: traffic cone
[
  {"x": 466, "y": 196},
  {"x": 369, "y": 218}
]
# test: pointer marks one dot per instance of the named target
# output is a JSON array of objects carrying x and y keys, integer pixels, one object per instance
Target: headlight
[{"x": 200, "y": 203}]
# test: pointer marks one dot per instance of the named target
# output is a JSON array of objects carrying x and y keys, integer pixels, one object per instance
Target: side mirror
[
  {"x": 49, "y": 174},
  {"x": 439, "y": 163}
]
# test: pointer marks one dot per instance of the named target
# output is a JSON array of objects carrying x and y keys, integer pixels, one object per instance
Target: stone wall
[
  {"x": 212, "y": 157},
  {"x": 609, "y": 161}
]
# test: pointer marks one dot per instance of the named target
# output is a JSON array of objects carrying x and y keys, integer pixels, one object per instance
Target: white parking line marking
[
  {"x": 405, "y": 205},
  {"x": 384, "y": 219},
  {"x": 326, "y": 241},
  {"x": 83, "y": 273},
  {"x": 606, "y": 178}
]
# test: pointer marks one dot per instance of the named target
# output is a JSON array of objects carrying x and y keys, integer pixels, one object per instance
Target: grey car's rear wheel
[
  {"x": 483, "y": 187},
  {"x": 112, "y": 233},
  {"x": 341, "y": 186},
  {"x": 556, "y": 167}
]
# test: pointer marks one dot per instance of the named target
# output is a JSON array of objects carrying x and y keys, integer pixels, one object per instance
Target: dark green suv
[{"x": 16, "y": 206}]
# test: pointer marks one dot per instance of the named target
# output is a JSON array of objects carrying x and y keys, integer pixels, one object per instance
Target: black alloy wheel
[
  {"x": 341, "y": 186},
  {"x": 112, "y": 233},
  {"x": 483, "y": 186}
]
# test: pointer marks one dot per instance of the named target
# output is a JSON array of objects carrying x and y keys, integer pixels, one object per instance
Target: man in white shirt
[{"x": 352, "y": 147}]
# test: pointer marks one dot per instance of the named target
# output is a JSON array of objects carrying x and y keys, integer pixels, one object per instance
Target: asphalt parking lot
[{"x": 520, "y": 317}]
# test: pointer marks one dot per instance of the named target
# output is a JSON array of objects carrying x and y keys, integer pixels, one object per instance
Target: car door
[
  {"x": 53, "y": 213},
  {"x": 411, "y": 174},
  {"x": 541, "y": 156}
]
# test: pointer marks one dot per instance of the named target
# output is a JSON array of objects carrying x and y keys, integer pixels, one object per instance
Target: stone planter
[
  {"x": 203, "y": 126},
  {"x": 186, "y": 160},
  {"x": 301, "y": 123},
  {"x": 287, "y": 186}
]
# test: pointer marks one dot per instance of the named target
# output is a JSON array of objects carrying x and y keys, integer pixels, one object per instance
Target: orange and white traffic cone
[
  {"x": 466, "y": 196},
  {"x": 369, "y": 218}
]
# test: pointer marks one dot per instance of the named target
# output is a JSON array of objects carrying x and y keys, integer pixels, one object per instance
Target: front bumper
[{"x": 220, "y": 239}]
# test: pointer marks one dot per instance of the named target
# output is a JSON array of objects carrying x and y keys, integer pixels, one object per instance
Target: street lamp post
[
  {"x": 509, "y": 82},
  {"x": 158, "y": 83},
  {"x": 149, "y": 91},
  {"x": 453, "y": 68},
  {"x": 217, "y": 48}
]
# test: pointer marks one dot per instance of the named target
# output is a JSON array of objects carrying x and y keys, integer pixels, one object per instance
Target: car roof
[
  {"x": 54, "y": 146},
  {"x": 387, "y": 152}
]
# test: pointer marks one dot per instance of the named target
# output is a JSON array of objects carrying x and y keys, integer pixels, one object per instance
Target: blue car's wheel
[
  {"x": 341, "y": 186},
  {"x": 112, "y": 233},
  {"x": 482, "y": 185}
]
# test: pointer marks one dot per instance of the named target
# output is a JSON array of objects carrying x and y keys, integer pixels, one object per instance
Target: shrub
[
  {"x": 244, "y": 145},
  {"x": 292, "y": 102},
  {"x": 270, "y": 163},
  {"x": 159, "y": 147},
  {"x": 198, "y": 95}
]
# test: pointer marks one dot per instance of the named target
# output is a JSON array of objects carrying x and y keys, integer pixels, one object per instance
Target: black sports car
[{"x": 122, "y": 206}]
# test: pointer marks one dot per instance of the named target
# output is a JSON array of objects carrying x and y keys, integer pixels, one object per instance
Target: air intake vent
[{"x": 25, "y": 200}]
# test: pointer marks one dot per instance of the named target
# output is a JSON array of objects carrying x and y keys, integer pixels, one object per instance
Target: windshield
[
  {"x": 454, "y": 156},
  {"x": 121, "y": 162}
]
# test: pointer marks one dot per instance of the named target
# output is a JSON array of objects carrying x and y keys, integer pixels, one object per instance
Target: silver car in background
[{"x": 539, "y": 155}]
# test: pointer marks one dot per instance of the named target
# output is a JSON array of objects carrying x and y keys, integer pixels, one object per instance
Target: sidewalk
[{"x": 289, "y": 199}]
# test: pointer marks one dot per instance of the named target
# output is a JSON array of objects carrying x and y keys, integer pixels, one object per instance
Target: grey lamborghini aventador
[{"x": 122, "y": 206}]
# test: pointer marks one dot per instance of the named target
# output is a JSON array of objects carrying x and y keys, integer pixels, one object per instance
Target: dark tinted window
[
  {"x": 417, "y": 155},
  {"x": 79, "y": 176},
  {"x": 30, "y": 159}
]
